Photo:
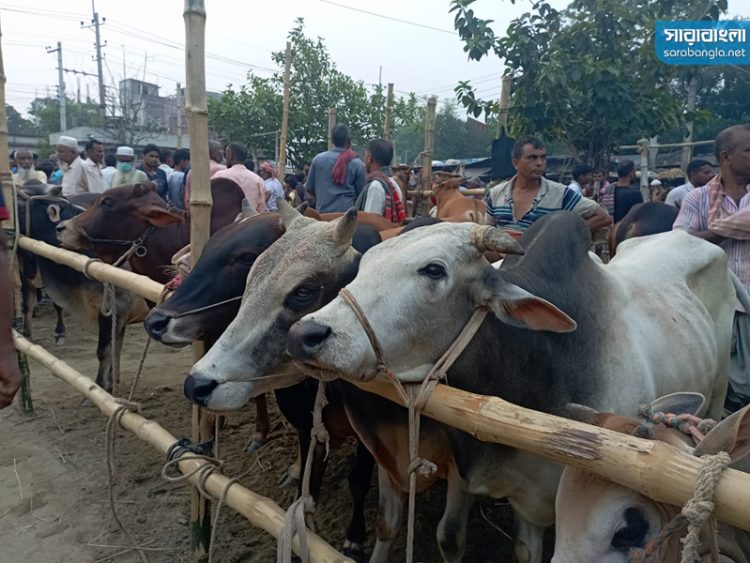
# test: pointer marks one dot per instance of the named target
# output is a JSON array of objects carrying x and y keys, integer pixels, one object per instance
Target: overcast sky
[
  {"x": 145, "y": 40},
  {"x": 147, "y": 37}
]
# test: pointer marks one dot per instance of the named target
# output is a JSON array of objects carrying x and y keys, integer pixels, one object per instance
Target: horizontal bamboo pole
[
  {"x": 650, "y": 467},
  {"x": 430, "y": 193},
  {"x": 259, "y": 510},
  {"x": 669, "y": 145},
  {"x": 138, "y": 284}
]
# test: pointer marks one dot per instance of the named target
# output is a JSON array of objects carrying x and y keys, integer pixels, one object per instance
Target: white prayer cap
[
  {"x": 656, "y": 182},
  {"x": 125, "y": 151},
  {"x": 67, "y": 142}
]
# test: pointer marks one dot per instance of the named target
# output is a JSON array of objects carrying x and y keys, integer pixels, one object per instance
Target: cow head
[
  {"x": 123, "y": 213},
  {"x": 597, "y": 520},
  {"x": 299, "y": 273},
  {"x": 417, "y": 291},
  {"x": 219, "y": 275}
]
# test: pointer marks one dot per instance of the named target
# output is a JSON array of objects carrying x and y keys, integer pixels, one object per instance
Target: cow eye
[
  {"x": 302, "y": 296},
  {"x": 247, "y": 258},
  {"x": 107, "y": 202},
  {"x": 434, "y": 271},
  {"x": 633, "y": 534}
]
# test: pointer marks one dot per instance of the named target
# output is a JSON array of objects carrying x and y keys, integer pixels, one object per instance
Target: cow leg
[
  {"x": 359, "y": 483},
  {"x": 28, "y": 302},
  {"x": 59, "y": 327},
  {"x": 390, "y": 511},
  {"x": 262, "y": 424},
  {"x": 293, "y": 475},
  {"x": 451, "y": 532},
  {"x": 529, "y": 542},
  {"x": 104, "y": 353}
]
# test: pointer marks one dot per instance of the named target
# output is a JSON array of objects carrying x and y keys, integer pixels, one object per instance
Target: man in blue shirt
[
  {"x": 150, "y": 166},
  {"x": 336, "y": 176}
]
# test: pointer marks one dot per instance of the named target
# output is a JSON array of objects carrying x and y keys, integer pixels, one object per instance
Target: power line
[{"x": 407, "y": 22}]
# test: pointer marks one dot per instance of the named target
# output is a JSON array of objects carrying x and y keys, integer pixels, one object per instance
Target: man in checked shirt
[{"x": 719, "y": 212}]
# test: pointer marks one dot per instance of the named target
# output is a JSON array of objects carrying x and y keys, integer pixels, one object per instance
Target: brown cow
[
  {"x": 121, "y": 216},
  {"x": 452, "y": 205},
  {"x": 379, "y": 222},
  {"x": 642, "y": 219},
  {"x": 597, "y": 520}
]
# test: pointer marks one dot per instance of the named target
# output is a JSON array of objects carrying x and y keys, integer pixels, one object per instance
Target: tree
[
  {"x": 587, "y": 75},
  {"x": 45, "y": 114},
  {"x": 252, "y": 114},
  {"x": 17, "y": 124}
]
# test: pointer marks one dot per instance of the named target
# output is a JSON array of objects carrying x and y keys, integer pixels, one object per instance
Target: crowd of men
[{"x": 713, "y": 206}]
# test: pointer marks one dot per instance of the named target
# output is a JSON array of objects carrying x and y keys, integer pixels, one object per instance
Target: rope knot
[{"x": 422, "y": 466}]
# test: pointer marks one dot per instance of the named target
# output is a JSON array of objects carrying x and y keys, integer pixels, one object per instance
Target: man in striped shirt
[
  {"x": 529, "y": 196},
  {"x": 732, "y": 148}
]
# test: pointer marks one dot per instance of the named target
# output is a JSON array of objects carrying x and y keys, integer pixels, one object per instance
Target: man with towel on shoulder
[
  {"x": 719, "y": 212},
  {"x": 336, "y": 176}
]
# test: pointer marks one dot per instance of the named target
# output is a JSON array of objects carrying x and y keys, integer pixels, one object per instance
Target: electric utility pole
[
  {"x": 60, "y": 84},
  {"x": 95, "y": 25}
]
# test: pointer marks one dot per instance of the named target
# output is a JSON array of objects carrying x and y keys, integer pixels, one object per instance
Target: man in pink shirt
[
  {"x": 252, "y": 184},
  {"x": 215, "y": 156}
]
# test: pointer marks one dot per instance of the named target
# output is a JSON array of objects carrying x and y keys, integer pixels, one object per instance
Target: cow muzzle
[
  {"x": 306, "y": 338},
  {"x": 199, "y": 389}
]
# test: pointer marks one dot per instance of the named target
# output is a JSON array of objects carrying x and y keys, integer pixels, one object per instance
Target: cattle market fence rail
[
  {"x": 259, "y": 510},
  {"x": 652, "y": 468}
]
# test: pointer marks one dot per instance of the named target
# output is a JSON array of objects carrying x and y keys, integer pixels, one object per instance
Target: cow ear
[
  {"x": 517, "y": 307},
  {"x": 53, "y": 212},
  {"x": 731, "y": 435},
  {"x": 160, "y": 217},
  {"x": 679, "y": 403}
]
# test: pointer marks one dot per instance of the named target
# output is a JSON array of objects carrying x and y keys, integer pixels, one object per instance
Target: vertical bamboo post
[
  {"x": 502, "y": 113},
  {"x": 388, "y": 112},
  {"x": 11, "y": 203},
  {"x": 331, "y": 125},
  {"x": 281, "y": 163},
  {"x": 643, "y": 148},
  {"x": 200, "y": 220},
  {"x": 429, "y": 140}
]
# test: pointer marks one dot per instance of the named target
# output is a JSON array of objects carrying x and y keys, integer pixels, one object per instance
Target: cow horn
[
  {"x": 288, "y": 213},
  {"x": 346, "y": 227},
  {"x": 581, "y": 413},
  {"x": 302, "y": 207},
  {"x": 487, "y": 238}
]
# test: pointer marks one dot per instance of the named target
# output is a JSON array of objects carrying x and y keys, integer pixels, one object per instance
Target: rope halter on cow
[
  {"x": 415, "y": 397},
  {"x": 137, "y": 245},
  {"x": 698, "y": 509}
]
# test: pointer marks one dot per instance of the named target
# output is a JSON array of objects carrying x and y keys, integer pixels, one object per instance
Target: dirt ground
[{"x": 53, "y": 496}]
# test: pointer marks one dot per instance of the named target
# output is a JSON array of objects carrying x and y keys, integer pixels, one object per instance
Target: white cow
[{"x": 657, "y": 319}]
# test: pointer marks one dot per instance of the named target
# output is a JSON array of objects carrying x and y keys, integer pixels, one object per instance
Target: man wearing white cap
[
  {"x": 76, "y": 177},
  {"x": 127, "y": 174},
  {"x": 26, "y": 172}
]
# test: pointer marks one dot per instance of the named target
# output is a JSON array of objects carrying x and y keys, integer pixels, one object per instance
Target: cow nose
[
  {"x": 156, "y": 324},
  {"x": 199, "y": 389},
  {"x": 306, "y": 337}
]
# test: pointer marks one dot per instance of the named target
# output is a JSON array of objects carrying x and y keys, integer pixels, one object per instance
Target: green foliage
[
  {"x": 252, "y": 113},
  {"x": 587, "y": 75},
  {"x": 17, "y": 124},
  {"x": 45, "y": 114},
  {"x": 454, "y": 137}
]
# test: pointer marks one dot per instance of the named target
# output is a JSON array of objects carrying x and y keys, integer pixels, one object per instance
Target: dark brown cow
[
  {"x": 643, "y": 219},
  {"x": 124, "y": 215}
]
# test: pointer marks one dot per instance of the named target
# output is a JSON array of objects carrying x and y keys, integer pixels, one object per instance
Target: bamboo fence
[
  {"x": 196, "y": 110},
  {"x": 655, "y": 469},
  {"x": 281, "y": 164},
  {"x": 261, "y": 511},
  {"x": 650, "y": 467}
]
